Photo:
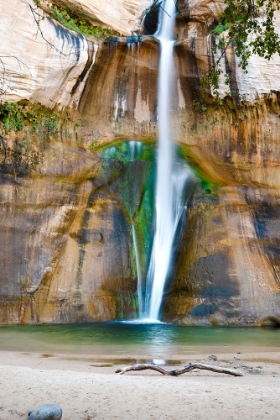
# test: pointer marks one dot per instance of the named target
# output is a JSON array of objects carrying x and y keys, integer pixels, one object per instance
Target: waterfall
[
  {"x": 134, "y": 154},
  {"x": 138, "y": 268},
  {"x": 171, "y": 176}
]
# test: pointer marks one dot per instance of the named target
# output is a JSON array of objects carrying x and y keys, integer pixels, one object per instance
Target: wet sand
[{"x": 87, "y": 388}]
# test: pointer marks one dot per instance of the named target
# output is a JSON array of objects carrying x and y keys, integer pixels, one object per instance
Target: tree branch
[
  {"x": 37, "y": 20},
  {"x": 3, "y": 81},
  {"x": 177, "y": 372}
]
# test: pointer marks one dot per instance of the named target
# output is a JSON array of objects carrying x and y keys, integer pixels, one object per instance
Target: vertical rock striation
[{"x": 40, "y": 60}]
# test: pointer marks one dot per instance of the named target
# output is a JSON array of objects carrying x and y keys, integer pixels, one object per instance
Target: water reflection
[{"x": 127, "y": 338}]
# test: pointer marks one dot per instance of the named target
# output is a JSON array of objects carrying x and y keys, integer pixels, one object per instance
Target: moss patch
[
  {"x": 70, "y": 20},
  {"x": 29, "y": 128},
  {"x": 17, "y": 115},
  {"x": 209, "y": 180},
  {"x": 128, "y": 167}
]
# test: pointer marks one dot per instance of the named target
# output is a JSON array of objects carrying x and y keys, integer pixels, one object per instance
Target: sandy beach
[{"x": 88, "y": 388}]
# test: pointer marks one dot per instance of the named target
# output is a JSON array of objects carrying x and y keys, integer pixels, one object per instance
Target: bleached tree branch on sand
[{"x": 177, "y": 372}]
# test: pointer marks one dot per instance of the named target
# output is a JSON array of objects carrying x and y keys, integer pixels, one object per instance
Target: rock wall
[
  {"x": 40, "y": 60},
  {"x": 68, "y": 252},
  {"x": 122, "y": 15},
  {"x": 231, "y": 272}
]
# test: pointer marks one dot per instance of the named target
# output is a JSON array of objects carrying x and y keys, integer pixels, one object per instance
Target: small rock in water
[
  {"x": 46, "y": 412},
  {"x": 213, "y": 357}
]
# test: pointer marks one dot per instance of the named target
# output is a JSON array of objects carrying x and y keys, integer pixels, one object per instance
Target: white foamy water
[
  {"x": 142, "y": 321},
  {"x": 138, "y": 268}
]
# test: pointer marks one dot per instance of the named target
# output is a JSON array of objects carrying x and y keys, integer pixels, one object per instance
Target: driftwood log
[{"x": 178, "y": 372}]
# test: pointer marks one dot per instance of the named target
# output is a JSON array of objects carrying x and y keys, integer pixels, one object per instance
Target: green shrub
[
  {"x": 81, "y": 26},
  {"x": 16, "y": 116},
  {"x": 11, "y": 116},
  {"x": 220, "y": 28}
]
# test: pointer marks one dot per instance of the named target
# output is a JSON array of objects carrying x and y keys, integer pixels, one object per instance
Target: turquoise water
[{"x": 116, "y": 338}]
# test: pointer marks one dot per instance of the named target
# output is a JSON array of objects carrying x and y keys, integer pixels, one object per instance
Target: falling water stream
[
  {"x": 171, "y": 174},
  {"x": 135, "y": 151}
]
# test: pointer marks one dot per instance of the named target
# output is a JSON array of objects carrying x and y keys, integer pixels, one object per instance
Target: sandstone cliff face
[
  {"x": 122, "y": 15},
  {"x": 231, "y": 276},
  {"x": 40, "y": 60},
  {"x": 68, "y": 253}
]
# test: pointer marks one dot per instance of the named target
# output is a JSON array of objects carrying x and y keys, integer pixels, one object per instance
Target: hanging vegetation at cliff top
[
  {"x": 71, "y": 21},
  {"x": 251, "y": 27}
]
